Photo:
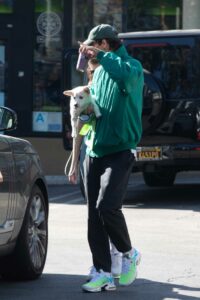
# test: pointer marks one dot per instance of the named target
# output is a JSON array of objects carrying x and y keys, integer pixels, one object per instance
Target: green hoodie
[{"x": 118, "y": 87}]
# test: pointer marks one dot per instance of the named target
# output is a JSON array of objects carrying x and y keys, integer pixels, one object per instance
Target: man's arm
[{"x": 118, "y": 68}]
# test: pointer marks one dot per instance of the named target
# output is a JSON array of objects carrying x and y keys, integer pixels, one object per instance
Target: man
[{"x": 117, "y": 85}]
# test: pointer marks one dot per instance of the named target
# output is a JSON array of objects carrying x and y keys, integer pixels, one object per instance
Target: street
[{"x": 164, "y": 224}]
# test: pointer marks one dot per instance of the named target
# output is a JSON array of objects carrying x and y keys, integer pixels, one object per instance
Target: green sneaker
[
  {"x": 129, "y": 267},
  {"x": 101, "y": 281}
]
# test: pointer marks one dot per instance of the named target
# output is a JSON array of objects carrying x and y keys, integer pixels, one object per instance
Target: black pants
[{"x": 105, "y": 181}]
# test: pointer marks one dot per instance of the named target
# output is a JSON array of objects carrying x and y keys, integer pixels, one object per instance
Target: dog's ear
[
  {"x": 86, "y": 90},
  {"x": 68, "y": 93}
]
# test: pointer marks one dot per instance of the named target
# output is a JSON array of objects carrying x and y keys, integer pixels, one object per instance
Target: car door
[{"x": 6, "y": 188}]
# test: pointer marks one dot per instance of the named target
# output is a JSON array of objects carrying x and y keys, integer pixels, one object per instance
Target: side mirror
[{"x": 8, "y": 119}]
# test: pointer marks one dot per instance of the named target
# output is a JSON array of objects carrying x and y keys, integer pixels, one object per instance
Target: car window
[{"x": 175, "y": 61}]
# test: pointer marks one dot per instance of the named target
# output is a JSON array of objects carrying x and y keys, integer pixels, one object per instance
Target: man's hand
[
  {"x": 73, "y": 178},
  {"x": 89, "y": 51}
]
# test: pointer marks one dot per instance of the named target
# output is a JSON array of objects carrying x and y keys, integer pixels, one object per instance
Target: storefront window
[
  {"x": 47, "y": 66},
  {"x": 108, "y": 12},
  {"x": 153, "y": 15},
  {"x": 126, "y": 15},
  {"x": 89, "y": 13},
  {"x": 6, "y": 6},
  {"x": 82, "y": 20}
]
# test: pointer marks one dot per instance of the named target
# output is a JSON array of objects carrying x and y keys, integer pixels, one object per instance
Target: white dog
[{"x": 79, "y": 101}]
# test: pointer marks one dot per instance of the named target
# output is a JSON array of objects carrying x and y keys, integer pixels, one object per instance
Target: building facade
[{"x": 34, "y": 37}]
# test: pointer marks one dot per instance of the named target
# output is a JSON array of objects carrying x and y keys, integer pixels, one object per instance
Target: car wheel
[
  {"x": 159, "y": 178},
  {"x": 28, "y": 259}
]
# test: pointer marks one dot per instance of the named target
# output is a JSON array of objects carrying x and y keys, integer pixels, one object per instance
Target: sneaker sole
[{"x": 105, "y": 287}]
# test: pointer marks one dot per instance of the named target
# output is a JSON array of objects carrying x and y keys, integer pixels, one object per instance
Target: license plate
[{"x": 149, "y": 153}]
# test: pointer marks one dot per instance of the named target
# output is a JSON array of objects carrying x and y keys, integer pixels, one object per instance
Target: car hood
[{"x": 20, "y": 145}]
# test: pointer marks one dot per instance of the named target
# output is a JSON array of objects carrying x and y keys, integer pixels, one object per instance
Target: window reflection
[
  {"x": 153, "y": 15},
  {"x": 129, "y": 15},
  {"x": 89, "y": 13},
  {"x": 108, "y": 11},
  {"x": 6, "y": 6},
  {"x": 173, "y": 63},
  {"x": 48, "y": 65},
  {"x": 82, "y": 19}
]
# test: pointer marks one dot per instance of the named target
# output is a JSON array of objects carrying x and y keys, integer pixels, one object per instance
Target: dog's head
[{"x": 80, "y": 96}]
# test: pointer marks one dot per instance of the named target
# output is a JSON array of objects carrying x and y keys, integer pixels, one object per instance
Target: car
[
  {"x": 171, "y": 107},
  {"x": 23, "y": 205}
]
